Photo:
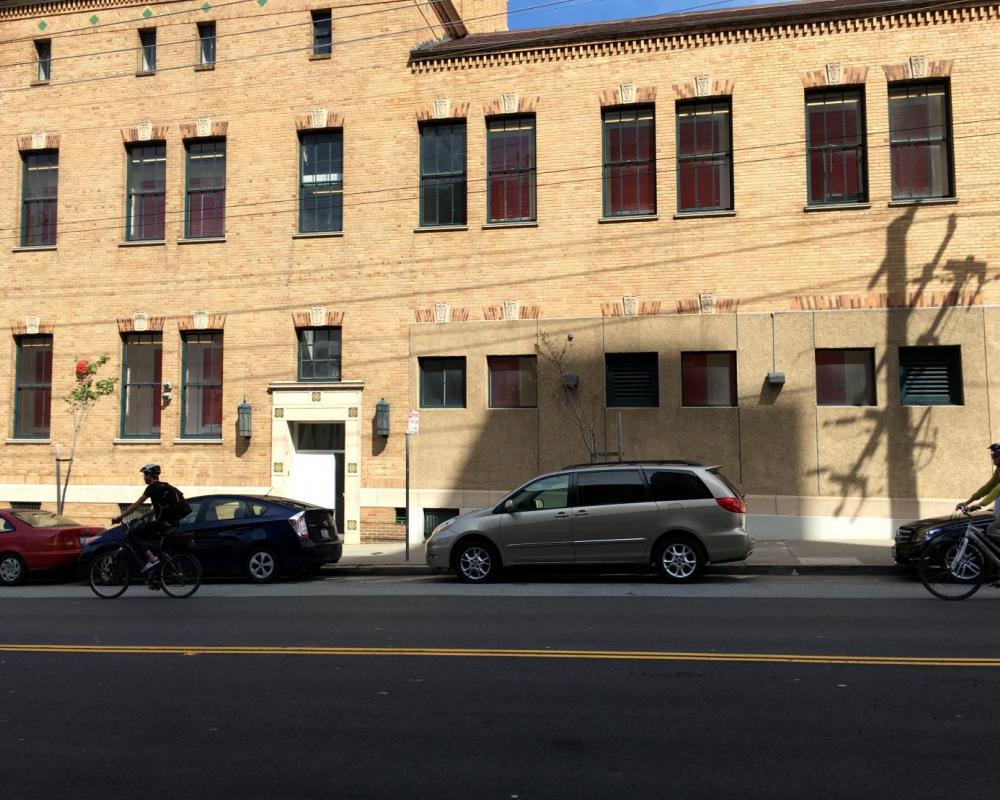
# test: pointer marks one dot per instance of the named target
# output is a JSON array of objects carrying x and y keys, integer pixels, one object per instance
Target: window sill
[
  {"x": 442, "y": 408},
  {"x": 39, "y": 83},
  {"x": 205, "y": 240},
  {"x": 192, "y": 440},
  {"x": 639, "y": 218},
  {"x": 319, "y": 235},
  {"x": 924, "y": 201},
  {"x": 204, "y": 67},
  {"x": 704, "y": 214},
  {"x": 489, "y": 226},
  {"x": 441, "y": 228},
  {"x": 145, "y": 73},
  {"x": 320, "y": 56},
  {"x": 838, "y": 207},
  {"x": 143, "y": 243},
  {"x": 33, "y": 249},
  {"x": 26, "y": 440},
  {"x": 137, "y": 440}
]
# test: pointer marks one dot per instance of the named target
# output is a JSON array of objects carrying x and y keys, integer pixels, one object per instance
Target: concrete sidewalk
[{"x": 770, "y": 557}]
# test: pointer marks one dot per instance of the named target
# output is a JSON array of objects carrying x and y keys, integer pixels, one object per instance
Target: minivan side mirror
[{"x": 508, "y": 506}]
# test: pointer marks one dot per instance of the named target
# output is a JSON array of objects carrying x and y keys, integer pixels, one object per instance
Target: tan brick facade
[{"x": 890, "y": 273}]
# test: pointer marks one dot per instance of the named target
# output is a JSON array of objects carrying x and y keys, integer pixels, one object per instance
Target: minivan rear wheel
[
  {"x": 679, "y": 560},
  {"x": 476, "y": 561}
]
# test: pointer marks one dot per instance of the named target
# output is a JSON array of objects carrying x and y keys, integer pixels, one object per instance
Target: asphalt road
[{"x": 434, "y": 695}]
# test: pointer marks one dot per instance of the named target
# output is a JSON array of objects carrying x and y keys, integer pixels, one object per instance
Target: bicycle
[
  {"x": 954, "y": 566},
  {"x": 177, "y": 574}
]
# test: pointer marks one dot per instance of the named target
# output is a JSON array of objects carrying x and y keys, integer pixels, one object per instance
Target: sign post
[{"x": 412, "y": 429}]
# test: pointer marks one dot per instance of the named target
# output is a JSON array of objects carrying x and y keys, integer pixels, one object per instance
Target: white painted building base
[{"x": 823, "y": 529}]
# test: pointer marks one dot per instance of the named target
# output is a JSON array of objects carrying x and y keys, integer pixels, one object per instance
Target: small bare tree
[
  {"x": 80, "y": 400},
  {"x": 585, "y": 409}
]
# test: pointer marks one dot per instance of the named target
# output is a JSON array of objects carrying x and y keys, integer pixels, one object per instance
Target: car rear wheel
[
  {"x": 12, "y": 570},
  {"x": 261, "y": 565},
  {"x": 679, "y": 560},
  {"x": 476, "y": 562}
]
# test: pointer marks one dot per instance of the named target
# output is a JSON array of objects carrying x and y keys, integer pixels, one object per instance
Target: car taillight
[
  {"x": 298, "y": 523},
  {"x": 734, "y": 504}
]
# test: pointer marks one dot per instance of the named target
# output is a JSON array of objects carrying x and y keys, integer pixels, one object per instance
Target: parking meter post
[{"x": 408, "y": 516}]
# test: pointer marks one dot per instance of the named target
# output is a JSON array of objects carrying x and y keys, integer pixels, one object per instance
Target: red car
[{"x": 33, "y": 541}]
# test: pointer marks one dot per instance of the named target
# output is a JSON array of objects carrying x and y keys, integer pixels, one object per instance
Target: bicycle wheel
[
  {"x": 109, "y": 575},
  {"x": 180, "y": 575},
  {"x": 948, "y": 577}
]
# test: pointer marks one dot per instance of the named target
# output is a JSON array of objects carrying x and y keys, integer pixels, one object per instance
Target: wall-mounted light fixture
[
  {"x": 167, "y": 393},
  {"x": 244, "y": 419},
  {"x": 382, "y": 418}
]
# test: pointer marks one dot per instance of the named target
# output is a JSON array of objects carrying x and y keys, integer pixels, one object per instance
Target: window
[
  {"x": 321, "y": 181},
  {"x": 435, "y": 516},
  {"x": 319, "y": 354},
  {"x": 442, "y": 174},
  {"x": 610, "y": 488},
  {"x": 25, "y": 505},
  {"x": 930, "y": 376},
  {"x": 400, "y": 518},
  {"x": 632, "y": 380},
  {"x": 513, "y": 381},
  {"x": 845, "y": 377},
  {"x": 225, "y": 509},
  {"x": 629, "y": 162},
  {"x": 545, "y": 494},
  {"x": 442, "y": 382},
  {"x": 322, "y": 32},
  {"x": 704, "y": 156},
  {"x": 201, "y": 385},
  {"x": 708, "y": 379},
  {"x": 145, "y": 206},
  {"x": 33, "y": 387},
  {"x": 205, "y": 200},
  {"x": 510, "y": 148},
  {"x": 835, "y": 127},
  {"x": 142, "y": 365},
  {"x": 672, "y": 486},
  {"x": 43, "y": 58},
  {"x": 39, "y": 194},
  {"x": 206, "y": 44},
  {"x": 147, "y": 50},
  {"x": 920, "y": 140}
]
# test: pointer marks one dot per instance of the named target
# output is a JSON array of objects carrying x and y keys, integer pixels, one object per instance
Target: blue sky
[{"x": 593, "y": 10}]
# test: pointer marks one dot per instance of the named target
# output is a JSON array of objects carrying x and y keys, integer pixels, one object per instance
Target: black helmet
[
  {"x": 153, "y": 470},
  {"x": 995, "y": 447}
]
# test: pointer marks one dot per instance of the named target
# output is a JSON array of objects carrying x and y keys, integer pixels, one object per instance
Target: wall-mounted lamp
[
  {"x": 168, "y": 392},
  {"x": 382, "y": 418},
  {"x": 776, "y": 379},
  {"x": 570, "y": 381},
  {"x": 244, "y": 419}
]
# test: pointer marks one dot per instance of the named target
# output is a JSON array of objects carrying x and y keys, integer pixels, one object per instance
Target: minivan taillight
[
  {"x": 734, "y": 504},
  {"x": 298, "y": 523}
]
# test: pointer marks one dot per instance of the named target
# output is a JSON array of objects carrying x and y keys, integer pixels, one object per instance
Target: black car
[
  {"x": 254, "y": 536},
  {"x": 912, "y": 536}
]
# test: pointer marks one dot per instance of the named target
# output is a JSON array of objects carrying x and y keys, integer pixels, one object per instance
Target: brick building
[{"x": 312, "y": 208}]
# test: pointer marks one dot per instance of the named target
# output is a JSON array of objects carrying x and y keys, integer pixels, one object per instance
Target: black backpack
[{"x": 178, "y": 507}]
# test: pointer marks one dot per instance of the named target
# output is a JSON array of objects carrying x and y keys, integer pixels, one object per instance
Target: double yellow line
[{"x": 463, "y": 652}]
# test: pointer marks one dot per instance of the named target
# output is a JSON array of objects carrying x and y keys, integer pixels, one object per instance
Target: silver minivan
[{"x": 676, "y": 515}]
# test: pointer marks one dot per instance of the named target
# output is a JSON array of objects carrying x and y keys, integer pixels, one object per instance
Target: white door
[{"x": 314, "y": 478}]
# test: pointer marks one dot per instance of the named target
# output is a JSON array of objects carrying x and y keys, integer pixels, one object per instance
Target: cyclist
[
  {"x": 169, "y": 508},
  {"x": 986, "y": 494}
]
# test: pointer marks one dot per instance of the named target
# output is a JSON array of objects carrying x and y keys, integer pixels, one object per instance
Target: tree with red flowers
[{"x": 81, "y": 398}]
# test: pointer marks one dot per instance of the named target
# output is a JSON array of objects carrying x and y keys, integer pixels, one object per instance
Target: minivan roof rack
[{"x": 677, "y": 462}]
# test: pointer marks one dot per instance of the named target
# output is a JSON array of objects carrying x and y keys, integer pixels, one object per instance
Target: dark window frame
[
  {"x": 194, "y": 150},
  {"x": 189, "y": 339},
  {"x": 499, "y": 178},
  {"x": 43, "y": 60},
  {"x": 956, "y": 387},
  {"x": 332, "y": 376},
  {"x": 42, "y": 341},
  {"x": 724, "y": 156},
  {"x": 616, "y": 115},
  {"x": 453, "y": 181},
  {"x": 872, "y": 388},
  {"x": 322, "y": 40},
  {"x": 34, "y": 162},
  {"x": 612, "y": 393},
  {"x": 829, "y": 151},
  {"x": 444, "y": 363},
  {"x": 131, "y": 192},
  {"x": 150, "y": 338},
  {"x": 206, "y": 44},
  {"x": 147, "y": 51},
  {"x": 332, "y": 189},
  {"x": 947, "y": 138},
  {"x": 733, "y": 400}
]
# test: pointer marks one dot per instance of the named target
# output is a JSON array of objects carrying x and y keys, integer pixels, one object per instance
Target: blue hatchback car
[{"x": 249, "y": 535}]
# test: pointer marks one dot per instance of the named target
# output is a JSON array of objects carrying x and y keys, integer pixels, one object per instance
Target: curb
[{"x": 349, "y": 570}]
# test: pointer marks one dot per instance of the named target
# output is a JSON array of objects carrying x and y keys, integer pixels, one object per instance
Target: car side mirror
[{"x": 509, "y": 506}]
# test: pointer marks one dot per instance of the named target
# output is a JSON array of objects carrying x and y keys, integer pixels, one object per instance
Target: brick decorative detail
[
  {"x": 423, "y": 314},
  {"x": 613, "y": 97},
  {"x": 723, "y": 305},
  {"x": 19, "y": 327},
  {"x": 189, "y": 130},
  {"x": 835, "y": 302},
  {"x": 304, "y": 319},
  {"x": 650, "y": 308},
  {"x": 127, "y": 324},
  {"x": 645, "y": 308},
  {"x": 308, "y": 122},
  {"x": 459, "y": 315},
  {"x": 38, "y": 141},
  {"x": 452, "y": 111},
  {"x": 904, "y": 72},
  {"x": 721, "y": 87},
  {"x": 503, "y": 105},
  {"x": 493, "y": 313},
  {"x": 530, "y": 312},
  {"x": 157, "y": 133},
  {"x": 215, "y": 322},
  {"x": 850, "y": 76},
  {"x": 612, "y": 310},
  {"x": 453, "y": 315}
]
